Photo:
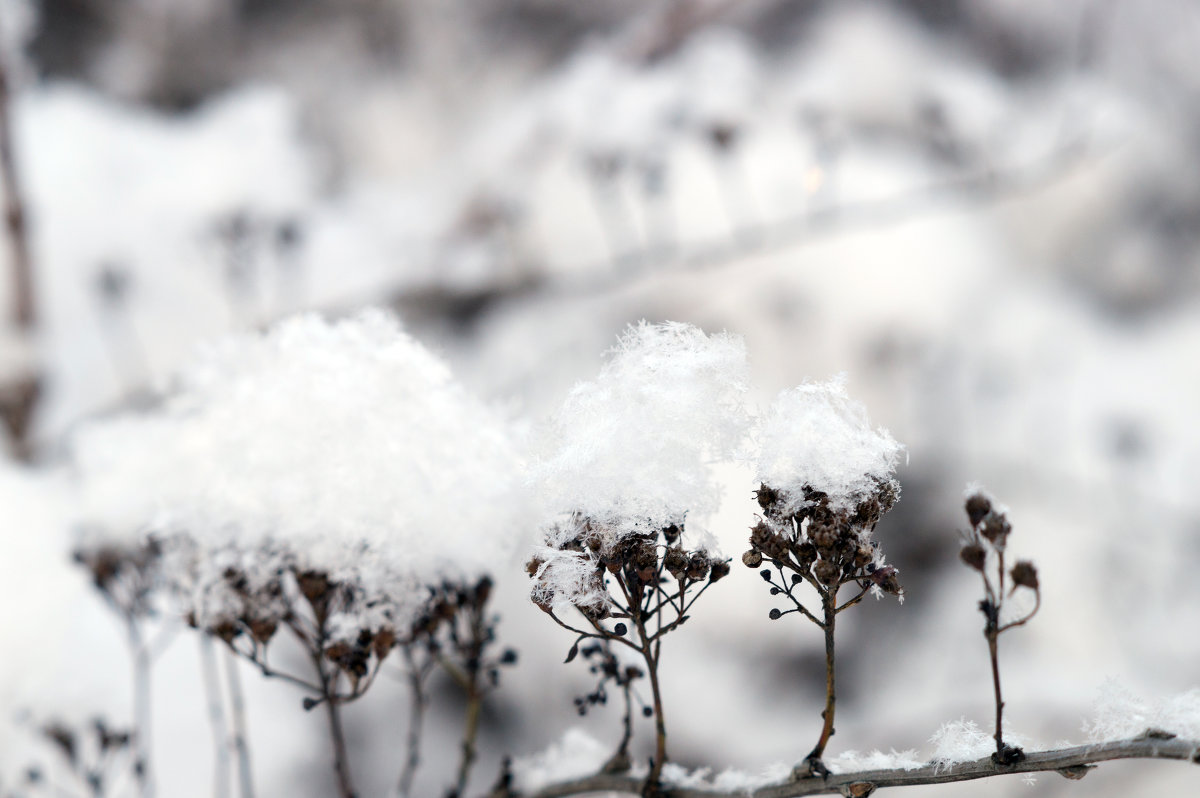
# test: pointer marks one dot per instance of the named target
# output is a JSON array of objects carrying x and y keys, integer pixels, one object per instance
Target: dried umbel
[
  {"x": 93, "y": 756},
  {"x": 814, "y": 542},
  {"x": 984, "y": 549},
  {"x": 126, "y": 574},
  {"x": 632, "y": 588}
]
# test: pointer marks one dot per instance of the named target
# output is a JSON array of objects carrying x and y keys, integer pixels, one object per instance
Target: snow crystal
[
  {"x": 567, "y": 578},
  {"x": 1120, "y": 714},
  {"x": 963, "y": 741},
  {"x": 853, "y": 761},
  {"x": 729, "y": 780},
  {"x": 348, "y": 444},
  {"x": 816, "y": 436},
  {"x": 576, "y": 755},
  {"x": 634, "y": 447}
]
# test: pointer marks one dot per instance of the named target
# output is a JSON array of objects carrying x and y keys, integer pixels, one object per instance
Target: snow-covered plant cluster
[{"x": 981, "y": 212}]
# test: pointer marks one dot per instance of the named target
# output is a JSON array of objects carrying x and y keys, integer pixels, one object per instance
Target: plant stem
[
  {"x": 216, "y": 717},
  {"x": 992, "y": 638},
  {"x": 237, "y": 706},
  {"x": 341, "y": 765},
  {"x": 829, "y": 605},
  {"x": 141, "y": 709},
  {"x": 416, "y": 717},
  {"x": 470, "y": 734},
  {"x": 23, "y": 310}
]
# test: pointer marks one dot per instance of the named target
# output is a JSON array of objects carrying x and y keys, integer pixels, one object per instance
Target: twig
[
  {"x": 982, "y": 186},
  {"x": 1072, "y": 763}
]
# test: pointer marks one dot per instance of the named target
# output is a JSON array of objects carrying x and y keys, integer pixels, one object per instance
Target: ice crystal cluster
[
  {"x": 631, "y": 452},
  {"x": 344, "y": 448},
  {"x": 817, "y": 438}
]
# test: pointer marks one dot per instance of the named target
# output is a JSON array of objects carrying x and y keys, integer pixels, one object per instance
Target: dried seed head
[
  {"x": 827, "y": 572},
  {"x": 1024, "y": 574},
  {"x": 752, "y": 559},
  {"x": 720, "y": 570},
  {"x": 978, "y": 506},
  {"x": 672, "y": 533},
  {"x": 675, "y": 561},
  {"x": 767, "y": 497},
  {"x": 698, "y": 565},
  {"x": 974, "y": 555},
  {"x": 996, "y": 529}
]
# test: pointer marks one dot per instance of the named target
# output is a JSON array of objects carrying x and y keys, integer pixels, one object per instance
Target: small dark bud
[
  {"x": 719, "y": 570},
  {"x": 1025, "y": 575},
  {"x": 797, "y": 579},
  {"x": 647, "y": 712},
  {"x": 751, "y": 559},
  {"x": 775, "y": 591},
  {"x": 996, "y": 529},
  {"x": 978, "y": 506},
  {"x": 509, "y": 657},
  {"x": 765, "y": 574},
  {"x": 620, "y": 630},
  {"x": 672, "y": 533},
  {"x": 827, "y": 572},
  {"x": 974, "y": 555},
  {"x": 308, "y": 703},
  {"x": 774, "y": 614},
  {"x": 676, "y": 562}
]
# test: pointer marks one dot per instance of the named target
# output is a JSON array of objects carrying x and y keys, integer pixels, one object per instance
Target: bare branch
[{"x": 1071, "y": 763}]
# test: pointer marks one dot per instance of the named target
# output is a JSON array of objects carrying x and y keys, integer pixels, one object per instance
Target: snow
[
  {"x": 347, "y": 445},
  {"x": 853, "y": 761},
  {"x": 634, "y": 448},
  {"x": 575, "y": 755},
  {"x": 816, "y": 436},
  {"x": 963, "y": 741},
  {"x": 1119, "y": 713}
]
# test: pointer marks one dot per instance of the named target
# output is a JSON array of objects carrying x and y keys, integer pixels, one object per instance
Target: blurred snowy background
[{"x": 985, "y": 212}]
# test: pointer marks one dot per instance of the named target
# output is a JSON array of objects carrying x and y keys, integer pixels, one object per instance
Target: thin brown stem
[
  {"x": 994, "y": 656},
  {"x": 813, "y": 762},
  {"x": 470, "y": 735}
]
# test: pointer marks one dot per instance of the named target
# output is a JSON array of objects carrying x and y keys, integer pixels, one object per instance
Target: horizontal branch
[{"x": 1073, "y": 763}]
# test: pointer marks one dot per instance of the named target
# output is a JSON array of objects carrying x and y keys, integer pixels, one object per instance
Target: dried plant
[
  {"x": 644, "y": 578},
  {"x": 94, "y": 756},
  {"x": 984, "y": 549},
  {"x": 827, "y": 549}
]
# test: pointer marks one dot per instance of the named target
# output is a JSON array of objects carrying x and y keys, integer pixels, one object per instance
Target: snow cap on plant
[
  {"x": 345, "y": 444},
  {"x": 817, "y": 439},
  {"x": 633, "y": 448}
]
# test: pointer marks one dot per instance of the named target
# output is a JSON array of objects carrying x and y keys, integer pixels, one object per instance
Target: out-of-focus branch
[
  {"x": 19, "y": 390},
  {"x": 1072, "y": 763},
  {"x": 980, "y": 187}
]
